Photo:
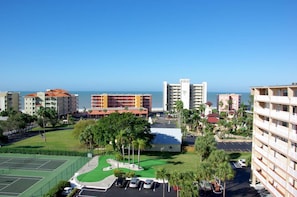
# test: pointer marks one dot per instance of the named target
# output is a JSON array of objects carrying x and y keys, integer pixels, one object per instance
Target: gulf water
[{"x": 157, "y": 97}]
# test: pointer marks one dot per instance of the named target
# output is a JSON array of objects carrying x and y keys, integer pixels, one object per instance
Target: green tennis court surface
[
  {"x": 30, "y": 163},
  {"x": 15, "y": 185},
  {"x": 25, "y": 175}
]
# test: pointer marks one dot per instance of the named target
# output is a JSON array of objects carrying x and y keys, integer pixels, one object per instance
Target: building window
[
  {"x": 285, "y": 124},
  {"x": 294, "y": 147},
  {"x": 294, "y": 110}
]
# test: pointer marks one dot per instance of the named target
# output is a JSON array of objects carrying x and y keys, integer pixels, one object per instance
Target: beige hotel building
[
  {"x": 62, "y": 101},
  {"x": 274, "y": 149},
  {"x": 192, "y": 95}
]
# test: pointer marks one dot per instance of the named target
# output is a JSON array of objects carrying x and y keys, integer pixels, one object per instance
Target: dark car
[{"x": 121, "y": 182}]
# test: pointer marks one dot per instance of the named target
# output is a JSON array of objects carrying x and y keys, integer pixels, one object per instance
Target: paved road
[
  {"x": 227, "y": 146},
  {"x": 235, "y": 146}
]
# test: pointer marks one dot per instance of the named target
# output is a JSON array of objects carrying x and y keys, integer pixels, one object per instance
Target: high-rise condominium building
[
  {"x": 228, "y": 102},
  {"x": 62, "y": 101},
  {"x": 9, "y": 100},
  {"x": 274, "y": 149},
  {"x": 192, "y": 95}
]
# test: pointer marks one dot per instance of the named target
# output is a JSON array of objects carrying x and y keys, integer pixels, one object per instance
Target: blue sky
[{"x": 135, "y": 45}]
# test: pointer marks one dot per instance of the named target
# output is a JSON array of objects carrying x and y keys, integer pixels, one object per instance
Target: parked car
[
  {"x": 121, "y": 182},
  {"x": 242, "y": 162},
  {"x": 66, "y": 191},
  {"x": 134, "y": 182},
  {"x": 148, "y": 184}
]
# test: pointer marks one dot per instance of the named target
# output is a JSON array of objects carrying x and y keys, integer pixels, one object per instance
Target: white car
[
  {"x": 134, "y": 182},
  {"x": 148, "y": 184},
  {"x": 242, "y": 162}
]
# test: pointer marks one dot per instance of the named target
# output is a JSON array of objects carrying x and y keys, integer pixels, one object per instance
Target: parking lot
[
  {"x": 237, "y": 187},
  {"x": 126, "y": 191}
]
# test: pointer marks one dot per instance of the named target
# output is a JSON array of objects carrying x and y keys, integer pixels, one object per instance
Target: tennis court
[
  {"x": 31, "y": 163},
  {"x": 15, "y": 185},
  {"x": 34, "y": 175}
]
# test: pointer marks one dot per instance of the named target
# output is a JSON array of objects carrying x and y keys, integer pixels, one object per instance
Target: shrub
[
  {"x": 118, "y": 173},
  {"x": 130, "y": 174},
  {"x": 56, "y": 190}
]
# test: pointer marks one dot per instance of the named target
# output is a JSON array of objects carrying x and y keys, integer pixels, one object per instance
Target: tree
[
  {"x": 47, "y": 115},
  {"x": 87, "y": 136},
  {"x": 162, "y": 174},
  {"x": 179, "y": 107},
  {"x": 141, "y": 145},
  {"x": 218, "y": 156},
  {"x": 204, "y": 145},
  {"x": 174, "y": 180},
  {"x": 122, "y": 141},
  {"x": 80, "y": 126},
  {"x": 224, "y": 173}
]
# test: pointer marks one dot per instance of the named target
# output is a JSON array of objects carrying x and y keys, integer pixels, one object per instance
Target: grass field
[
  {"x": 55, "y": 140},
  {"x": 150, "y": 163}
]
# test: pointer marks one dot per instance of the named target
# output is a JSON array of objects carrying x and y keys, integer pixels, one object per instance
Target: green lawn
[
  {"x": 55, "y": 140},
  {"x": 149, "y": 163}
]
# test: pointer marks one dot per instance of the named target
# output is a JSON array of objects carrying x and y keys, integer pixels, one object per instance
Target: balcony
[
  {"x": 280, "y": 115},
  {"x": 293, "y": 154},
  {"x": 292, "y": 172},
  {"x": 278, "y": 162},
  {"x": 280, "y": 100},
  {"x": 262, "y": 138},
  {"x": 261, "y": 151},
  {"x": 262, "y": 124},
  {"x": 293, "y": 118},
  {"x": 262, "y": 98},
  {"x": 292, "y": 190},
  {"x": 276, "y": 177},
  {"x": 260, "y": 177},
  {"x": 279, "y": 131},
  {"x": 293, "y": 136},
  {"x": 262, "y": 111},
  {"x": 261, "y": 165},
  {"x": 273, "y": 191},
  {"x": 293, "y": 100},
  {"x": 279, "y": 146}
]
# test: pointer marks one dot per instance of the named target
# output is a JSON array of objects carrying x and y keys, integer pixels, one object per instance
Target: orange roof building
[{"x": 62, "y": 101}]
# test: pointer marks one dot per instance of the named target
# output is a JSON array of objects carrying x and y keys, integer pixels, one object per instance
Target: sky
[{"x": 136, "y": 45}]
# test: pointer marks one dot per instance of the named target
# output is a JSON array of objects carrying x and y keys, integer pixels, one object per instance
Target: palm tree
[
  {"x": 87, "y": 136},
  {"x": 42, "y": 113},
  {"x": 174, "y": 180},
  {"x": 162, "y": 174},
  {"x": 218, "y": 156},
  {"x": 134, "y": 144},
  {"x": 122, "y": 140},
  {"x": 179, "y": 107},
  {"x": 204, "y": 145},
  {"x": 141, "y": 145},
  {"x": 224, "y": 173}
]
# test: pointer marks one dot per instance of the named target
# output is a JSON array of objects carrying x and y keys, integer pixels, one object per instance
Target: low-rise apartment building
[
  {"x": 274, "y": 149},
  {"x": 9, "y": 100},
  {"x": 228, "y": 102},
  {"x": 62, "y": 101},
  {"x": 104, "y": 104}
]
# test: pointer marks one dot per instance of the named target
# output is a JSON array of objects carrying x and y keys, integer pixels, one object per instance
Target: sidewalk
[{"x": 92, "y": 164}]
